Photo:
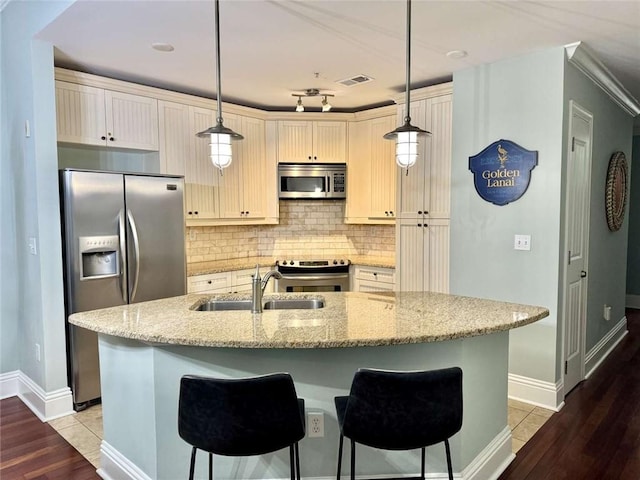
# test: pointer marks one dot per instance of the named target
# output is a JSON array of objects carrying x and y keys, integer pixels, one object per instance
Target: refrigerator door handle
[
  {"x": 136, "y": 248},
  {"x": 123, "y": 256}
]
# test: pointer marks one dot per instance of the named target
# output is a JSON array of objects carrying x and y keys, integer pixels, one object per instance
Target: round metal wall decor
[{"x": 616, "y": 190}]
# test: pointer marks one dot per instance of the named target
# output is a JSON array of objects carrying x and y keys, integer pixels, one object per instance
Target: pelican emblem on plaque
[{"x": 502, "y": 171}]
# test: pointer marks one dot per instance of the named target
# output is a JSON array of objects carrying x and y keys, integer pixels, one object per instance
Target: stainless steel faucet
[{"x": 257, "y": 287}]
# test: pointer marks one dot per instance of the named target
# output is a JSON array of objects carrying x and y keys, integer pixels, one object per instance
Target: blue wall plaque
[{"x": 502, "y": 171}]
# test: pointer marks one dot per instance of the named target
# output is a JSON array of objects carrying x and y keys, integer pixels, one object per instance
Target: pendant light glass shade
[
  {"x": 407, "y": 135},
  {"x": 219, "y": 136}
]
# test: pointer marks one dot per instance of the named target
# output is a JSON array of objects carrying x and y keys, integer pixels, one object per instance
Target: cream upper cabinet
[
  {"x": 312, "y": 141},
  {"x": 371, "y": 188},
  {"x": 426, "y": 188},
  {"x": 95, "y": 116},
  {"x": 424, "y": 198},
  {"x": 247, "y": 185}
]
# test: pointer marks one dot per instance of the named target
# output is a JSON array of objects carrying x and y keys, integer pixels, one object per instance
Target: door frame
[{"x": 578, "y": 110}]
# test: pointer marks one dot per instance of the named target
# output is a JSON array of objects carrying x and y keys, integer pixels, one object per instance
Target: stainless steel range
[{"x": 313, "y": 275}]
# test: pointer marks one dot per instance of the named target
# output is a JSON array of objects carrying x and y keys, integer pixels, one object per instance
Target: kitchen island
[{"x": 145, "y": 348}]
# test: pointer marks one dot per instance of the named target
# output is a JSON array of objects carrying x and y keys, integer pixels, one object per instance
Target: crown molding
[
  {"x": 425, "y": 92},
  {"x": 585, "y": 60}
]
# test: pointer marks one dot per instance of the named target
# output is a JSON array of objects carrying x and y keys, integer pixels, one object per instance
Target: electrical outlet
[
  {"x": 33, "y": 246},
  {"x": 315, "y": 424},
  {"x": 607, "y": 313},
  {"x": 192, "y": 234},
  {"x": 522, "y": 242},
  {"x": 37, "y": 352}
]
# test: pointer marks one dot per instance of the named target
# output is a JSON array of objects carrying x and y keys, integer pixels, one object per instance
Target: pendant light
[
  {"x": 407, "y": 135},
  {"x": 219, "y": 135}
]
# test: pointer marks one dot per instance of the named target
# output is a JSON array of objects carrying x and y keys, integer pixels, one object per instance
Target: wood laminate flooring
[
  {"x": 596, "y": 436},
  {"x": 31, "y": 449}
]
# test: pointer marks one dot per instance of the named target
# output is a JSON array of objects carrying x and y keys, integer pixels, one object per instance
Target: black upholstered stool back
[
  {"x": 401, "y": 410},
  {"x": 241, "y": 417}
]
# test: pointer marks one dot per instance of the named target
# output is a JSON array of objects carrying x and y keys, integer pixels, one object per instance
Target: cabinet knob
[
  {"x": 426, "y": 225},
  {"x": 309, "y": 157},
  {"x": 315, "y": 158},
  {"x": 189, "y": 213},
  {"x": 419, "y": 224},
  {"x": 111, "y": 139},
  {"x": 419, "y": 212},
  {"x": 426, "y": 213},
  {"x": 209, "y": 282},
  {"x": 195, "y": 213},
  {"x": 103, "y": 138},
  {"x": 386, "y": 213},
  {"x": 375, "y": 274},
  {"x": 391, "y": 212},
  {"x": 246, "y": 213}
]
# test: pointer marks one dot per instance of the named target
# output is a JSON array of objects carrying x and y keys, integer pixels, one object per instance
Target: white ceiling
[{"x": 272, "y": 48}]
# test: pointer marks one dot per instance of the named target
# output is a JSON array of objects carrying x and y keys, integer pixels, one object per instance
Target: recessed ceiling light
[
  {"x": 162, "y": 47},
  {"x": 456, "y": 54}
]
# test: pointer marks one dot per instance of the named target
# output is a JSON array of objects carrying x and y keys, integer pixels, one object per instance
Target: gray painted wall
[
  {"x": 31, "y": 308},
  {"x": 521, "y": 100},
  {"x": 612, "y": 131},
  {"x": 633, "y": 259},
  {"x": 526, "y": 100}
]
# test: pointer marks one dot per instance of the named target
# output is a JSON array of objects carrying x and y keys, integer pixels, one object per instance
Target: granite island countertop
[{"x": 348, "y": 319}]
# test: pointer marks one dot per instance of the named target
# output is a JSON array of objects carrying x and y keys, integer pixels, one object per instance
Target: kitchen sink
[
  {"x": 294, "y": 303},
  {"x": 220, "y": 305},
  {"x": 275, "y": 304}
]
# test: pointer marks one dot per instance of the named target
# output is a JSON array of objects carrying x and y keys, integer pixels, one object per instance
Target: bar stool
[
  {"x": 394, "y": 410},
  {"x": 241, "y": 417}
]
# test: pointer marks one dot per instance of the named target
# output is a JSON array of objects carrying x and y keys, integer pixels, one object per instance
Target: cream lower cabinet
[
  {"x": 94, "y": 116},
  {"x": 371, "y": 176},
  {"x": 424, "y": 198},
  {"x": 237, "y": 281},
  {"x": 243, "y": 193},
  {"x": 373, "y": 279},
  {"x": 422, "y": 257},
  {"x": 312, "y": 141}
]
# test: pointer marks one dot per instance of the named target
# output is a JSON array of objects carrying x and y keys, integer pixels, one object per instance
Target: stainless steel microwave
[{"x": 312, "y": 180}]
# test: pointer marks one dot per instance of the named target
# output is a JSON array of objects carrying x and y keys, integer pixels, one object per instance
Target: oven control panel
[{"x": 313, "y": 263}]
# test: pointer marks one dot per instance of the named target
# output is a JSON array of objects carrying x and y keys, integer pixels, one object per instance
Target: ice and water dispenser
[{"x": 100, "y": 257}]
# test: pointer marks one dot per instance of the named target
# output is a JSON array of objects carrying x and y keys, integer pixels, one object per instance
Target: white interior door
[{"x": 577, "y": 229}]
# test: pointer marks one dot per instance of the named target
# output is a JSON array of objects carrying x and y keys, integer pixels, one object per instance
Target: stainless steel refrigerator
[{"x": 123, "y": 243}]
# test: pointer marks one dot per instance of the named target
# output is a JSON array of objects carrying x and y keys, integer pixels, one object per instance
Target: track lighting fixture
[
  {"x": 406, "y": 136},
  {"x": 313, "y": 92},
  {"x": 219, "y": 135}
]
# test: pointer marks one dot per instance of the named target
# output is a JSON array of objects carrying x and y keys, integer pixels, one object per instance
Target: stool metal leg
[
  {"x": 292, "y": 463},
  {"x": 353, "y": 460},
  {"x": 340, "y": 456},
  {"x": 297, "y": 451},
  {"x": 446, "y": 446},
  {"x": 192, "y": 466},
  {"x": 424, "y": 458},
  {"x": 210, "y": 466}
]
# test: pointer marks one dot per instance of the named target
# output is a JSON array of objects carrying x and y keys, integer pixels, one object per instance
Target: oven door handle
[{"x": 315, "y": 277}]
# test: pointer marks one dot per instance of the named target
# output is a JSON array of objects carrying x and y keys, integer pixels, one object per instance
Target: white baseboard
[
  {"x": 633, "y": 301},
  {"x": 9, "y": 384},
  {"x": 45, "y": 405},
  {"x": 115, "y": 466},
  {"x": 604, "y": 347},
  {"x": 492, "y": 460},
  {"x": 536, "y": 392}
]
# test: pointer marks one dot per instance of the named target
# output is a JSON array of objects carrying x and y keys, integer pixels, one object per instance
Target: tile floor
[{"x": 83, "y": 430}]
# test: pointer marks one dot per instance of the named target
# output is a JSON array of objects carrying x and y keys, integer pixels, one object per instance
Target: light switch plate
[{"x": 522, "y": 242}]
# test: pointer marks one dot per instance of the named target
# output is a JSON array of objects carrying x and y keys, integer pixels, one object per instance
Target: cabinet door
[
  {"x": 230, "y": 188},
  {"x": 413, "y": 191},
  {"x": 132, "y": 121},
  {"x": 255, "y": 173},
  {"x": 438, "y": 248},
  {"x": 174, "y": 137},
  {"x": 80, "y": 114},
  {"x": 439, "y": 123},
  {"x": 201, "y": 177},
  {"x": 383, "y": 170},
  {"x": 330, "y": 142},
  {"x": 412, "y": 256},
  {"x": 358, "y": 202},
  {"x": 295, "y": 141}
]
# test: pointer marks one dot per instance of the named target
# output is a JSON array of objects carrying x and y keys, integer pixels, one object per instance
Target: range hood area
[{"x": 319, "y": 181}]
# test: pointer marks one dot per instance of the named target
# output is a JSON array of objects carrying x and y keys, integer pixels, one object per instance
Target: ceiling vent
[{"x": 356, "y": 80}]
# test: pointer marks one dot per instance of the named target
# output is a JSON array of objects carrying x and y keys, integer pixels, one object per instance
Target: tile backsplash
[{"x": 307, "y": 228}]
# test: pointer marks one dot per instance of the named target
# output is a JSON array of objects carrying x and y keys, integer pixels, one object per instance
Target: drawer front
[
  {"x": 242, "y": 277},
  {"x": 214, "y": 283},
  {"x": 374, "y": 274},
  {"x": 368, "y": 286}
]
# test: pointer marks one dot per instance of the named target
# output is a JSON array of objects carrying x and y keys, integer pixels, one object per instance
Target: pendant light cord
[
  {"x": 407, "y": 117},
  {"x": 217, "y": 24}
]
